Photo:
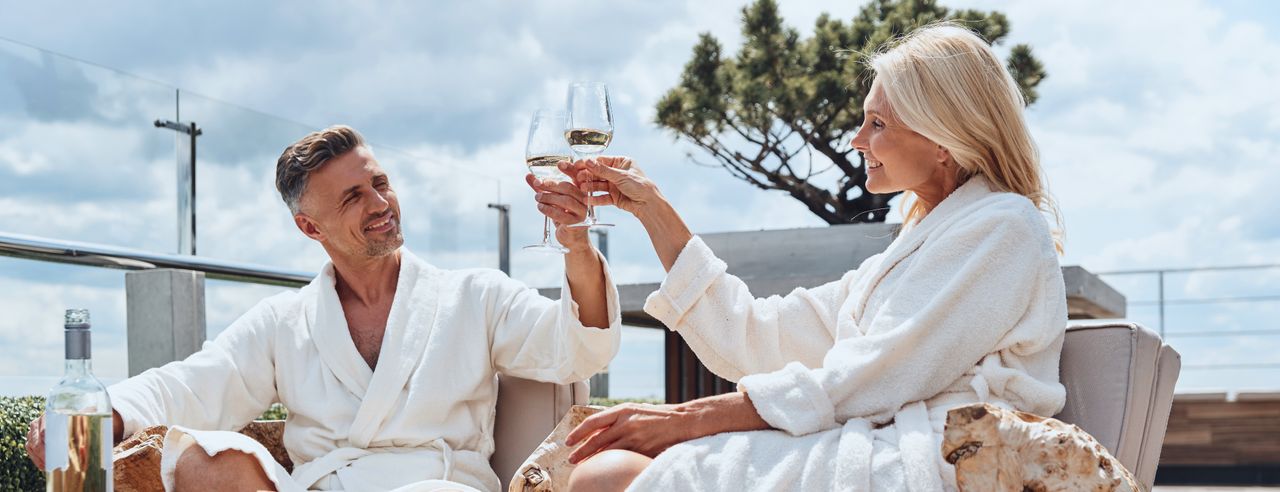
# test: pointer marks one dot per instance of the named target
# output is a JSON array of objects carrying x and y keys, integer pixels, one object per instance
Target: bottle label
[
  {"x": 78, "y": 452},
  {"x": 55, "y": 438}
]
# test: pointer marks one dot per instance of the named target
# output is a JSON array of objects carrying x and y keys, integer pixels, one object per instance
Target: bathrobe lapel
[
  {"x": 409, "y": 327},
  {"x": 951, "y": 208},
  {"x": 404, "y": 342},
  {"x": 328, "y": 326}
]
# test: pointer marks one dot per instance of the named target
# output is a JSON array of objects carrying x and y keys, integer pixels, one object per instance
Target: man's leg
[
  {"x": 228, "y": 470},
  {"x": 609, "y": 470}
]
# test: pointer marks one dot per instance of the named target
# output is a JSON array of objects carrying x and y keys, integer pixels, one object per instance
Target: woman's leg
[{"x": 610, "y": 470}]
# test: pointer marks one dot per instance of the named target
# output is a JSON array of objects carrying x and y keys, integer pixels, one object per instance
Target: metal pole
[
  {"x": 504, "y": 236},
  {"x": 600, "y": 381},
  {"x": 193, "y": 132},
  {"x": 602, "y": 241},
  {"x": 1160, "y": 296},
  {"x": 186, "y": 187}
]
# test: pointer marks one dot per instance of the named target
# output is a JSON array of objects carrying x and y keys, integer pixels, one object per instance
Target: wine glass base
[
  {"x": 590, "y": 225},
  {"x": 546, "y": 248}
]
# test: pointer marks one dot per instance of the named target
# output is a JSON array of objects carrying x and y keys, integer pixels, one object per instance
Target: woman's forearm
[
  {"x": 666, "y": 229},
  {"x": 730, "y": 412}
]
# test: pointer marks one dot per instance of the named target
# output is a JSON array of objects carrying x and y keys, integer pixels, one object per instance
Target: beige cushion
[
  {"x": 527, "y": 412},
  {"x": 1119, "y": 378}
]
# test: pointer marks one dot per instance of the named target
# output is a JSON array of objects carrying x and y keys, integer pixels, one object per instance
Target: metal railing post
[
  {"x": 186, "y": 187},
  {"x": 602, "y": 241},
  {"x": 600, "y": 381},
  {"x": 1160, "y": 294},
  {"x": 504, "y": 236}
]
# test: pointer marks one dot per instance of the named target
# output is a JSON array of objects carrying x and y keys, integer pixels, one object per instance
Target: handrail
[{"x": 98, "y": 255}]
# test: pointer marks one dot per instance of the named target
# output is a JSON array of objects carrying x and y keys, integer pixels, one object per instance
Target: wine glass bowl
[
  {"x": 543, "y": 151},
  {"x": 590, "y": 129}
]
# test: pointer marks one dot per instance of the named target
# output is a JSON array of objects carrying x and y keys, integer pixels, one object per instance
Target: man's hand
[
  {"x": 564, "y": 204},
  {"x": 35, "y": 442}
]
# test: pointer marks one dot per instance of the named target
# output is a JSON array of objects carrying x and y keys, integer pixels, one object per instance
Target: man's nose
[{"x": 378, "y": 203}]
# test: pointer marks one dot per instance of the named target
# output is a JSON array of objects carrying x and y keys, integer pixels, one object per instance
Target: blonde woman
[{"x": 845, "y": 386}]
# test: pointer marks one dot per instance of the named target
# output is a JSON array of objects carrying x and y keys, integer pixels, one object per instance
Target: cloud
[{"x": 1158, "y": 136}]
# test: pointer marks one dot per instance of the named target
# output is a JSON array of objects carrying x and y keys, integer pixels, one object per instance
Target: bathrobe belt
[{"x": 311, "y": 472}]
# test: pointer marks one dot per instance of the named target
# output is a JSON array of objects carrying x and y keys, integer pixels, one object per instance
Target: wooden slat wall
[{"x": 1223, "y": 433}]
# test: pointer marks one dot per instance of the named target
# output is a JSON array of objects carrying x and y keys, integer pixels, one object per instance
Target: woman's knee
[{"x": 613, "y": 469}]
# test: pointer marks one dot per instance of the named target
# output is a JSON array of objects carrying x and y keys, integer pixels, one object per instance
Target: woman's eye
[{"x": 877, "y": 124}]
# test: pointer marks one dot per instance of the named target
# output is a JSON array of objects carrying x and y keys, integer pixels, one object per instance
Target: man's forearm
[{"x": 586, "y": 282}]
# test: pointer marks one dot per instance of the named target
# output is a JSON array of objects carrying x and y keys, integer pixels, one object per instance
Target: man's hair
[{"x": 308, "y": 154}]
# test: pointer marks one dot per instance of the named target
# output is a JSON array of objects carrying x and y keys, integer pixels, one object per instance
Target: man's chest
[{"x": 367, "y": 326}]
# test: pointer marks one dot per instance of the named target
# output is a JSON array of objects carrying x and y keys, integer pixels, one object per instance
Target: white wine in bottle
[{"x": 77, "y": 419}]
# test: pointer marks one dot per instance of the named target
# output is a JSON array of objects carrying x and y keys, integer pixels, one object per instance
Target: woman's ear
[{"x": 943, "y": 156}]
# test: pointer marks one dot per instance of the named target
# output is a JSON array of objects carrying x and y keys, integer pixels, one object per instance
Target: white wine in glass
[
  {"x": 545, "y": 148},
  {"x": 590, "y": 130}
]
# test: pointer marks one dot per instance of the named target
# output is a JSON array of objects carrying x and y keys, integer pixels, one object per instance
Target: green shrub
[
  {"x": 609, "y": 402},
  {"x": 16, "y": 470},
  {"x": 276, "y": 412}
]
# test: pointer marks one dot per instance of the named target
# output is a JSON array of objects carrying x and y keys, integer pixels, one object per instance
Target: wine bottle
[{"x": 77, "y": 419}]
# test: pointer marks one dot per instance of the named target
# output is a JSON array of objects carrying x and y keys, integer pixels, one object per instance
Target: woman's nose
[{"x": 858, "y": 142}]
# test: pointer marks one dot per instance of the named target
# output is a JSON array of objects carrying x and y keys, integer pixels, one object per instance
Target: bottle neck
[{"x": 78, "y": 367}]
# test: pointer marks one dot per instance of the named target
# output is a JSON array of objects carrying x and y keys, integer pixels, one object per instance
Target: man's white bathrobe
[
  {"x": 857, "y": 374},
  {"x": 423, "y": 420}
]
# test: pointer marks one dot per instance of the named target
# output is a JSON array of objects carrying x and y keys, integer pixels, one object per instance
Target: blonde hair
[{"x": 945, "y": 83}]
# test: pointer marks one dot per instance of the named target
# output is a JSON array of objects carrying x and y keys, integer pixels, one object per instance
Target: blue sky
[{"x": 1159, "y": 127}]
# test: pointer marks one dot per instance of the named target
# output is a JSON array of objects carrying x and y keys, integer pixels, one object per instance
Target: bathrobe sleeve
[
  {"x": 534, "y": 337},
  {"x": 966, "y": 289},
  {"x": 733, "y": 332},
  {"x": 224, "y": 386}
]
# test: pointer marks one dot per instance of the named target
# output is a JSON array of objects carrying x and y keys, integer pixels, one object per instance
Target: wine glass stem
[{"x": 546, "y": 231}]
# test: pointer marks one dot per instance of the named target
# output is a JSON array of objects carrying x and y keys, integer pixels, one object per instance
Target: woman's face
[{"x": 898, "y": 159}]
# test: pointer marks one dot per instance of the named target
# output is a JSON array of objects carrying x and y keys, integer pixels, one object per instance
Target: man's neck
[{"x": 367, "y": 281}]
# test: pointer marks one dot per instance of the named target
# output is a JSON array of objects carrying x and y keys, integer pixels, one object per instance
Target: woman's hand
[
  {"x": 564, "y": 203},
  {"x": 645, "y": 429},
  {"x": 651, "y": 429},
  {"x": 627, "y": 186}
]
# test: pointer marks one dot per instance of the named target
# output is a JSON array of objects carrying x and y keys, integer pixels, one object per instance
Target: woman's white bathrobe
[
  {"x": 422, "y": 421},
  {"x": 857, "y": 374}
]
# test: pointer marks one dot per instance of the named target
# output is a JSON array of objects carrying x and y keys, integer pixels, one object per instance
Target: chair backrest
[
  {"x": 527, "y": 412},
  {"x": 1119, "y": 378}
]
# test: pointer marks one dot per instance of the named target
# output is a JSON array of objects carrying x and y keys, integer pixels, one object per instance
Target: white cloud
[{"x": 1159, "y": 136}]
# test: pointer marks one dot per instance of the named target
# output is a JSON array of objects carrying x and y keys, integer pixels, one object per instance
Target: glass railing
[
  {"x": 1222, "y": 320},
  {"x": 81, "y": 160}
]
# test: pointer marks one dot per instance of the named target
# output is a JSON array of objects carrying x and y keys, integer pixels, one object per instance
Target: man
[{"x": 386, "y": 364}]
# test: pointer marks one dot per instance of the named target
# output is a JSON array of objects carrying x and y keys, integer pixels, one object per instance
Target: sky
[{"x": 1158, "y": 127}]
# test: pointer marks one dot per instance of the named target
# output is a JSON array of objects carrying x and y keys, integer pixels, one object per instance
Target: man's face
[{"x": 350, "y": 207}]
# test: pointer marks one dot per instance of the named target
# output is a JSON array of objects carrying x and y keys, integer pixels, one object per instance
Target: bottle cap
[{"x": 77, "y": 319}]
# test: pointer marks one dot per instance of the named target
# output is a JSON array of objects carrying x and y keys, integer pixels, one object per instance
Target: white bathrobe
[
  {"x": 857, "y": 375},
  {"x": 423, "y": 420}
]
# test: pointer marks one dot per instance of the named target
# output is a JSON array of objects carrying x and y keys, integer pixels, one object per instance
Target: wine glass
[
  {"x": 546, "y": 147},
  {"x": 590, "y": 130}
]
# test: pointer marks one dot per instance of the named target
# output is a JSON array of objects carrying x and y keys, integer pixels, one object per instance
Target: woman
[{"x": 846, "y": 386}]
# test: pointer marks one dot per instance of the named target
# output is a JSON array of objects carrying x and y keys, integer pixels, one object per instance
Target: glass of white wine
[
  {"x": 546, "y": 147},
  {"x": 590, "y": 130}
]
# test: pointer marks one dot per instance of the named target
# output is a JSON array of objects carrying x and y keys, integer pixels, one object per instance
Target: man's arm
[
  {"x": 564, "y": 203},
  {"x": 585, "y": 272}
]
